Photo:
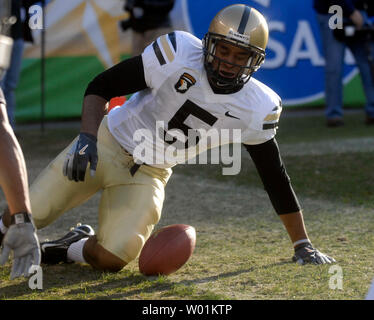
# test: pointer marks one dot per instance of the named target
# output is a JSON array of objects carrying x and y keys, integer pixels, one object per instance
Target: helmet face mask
[
  {"x": 241, "y": 72},
  {"x": 243, "y": 30}
]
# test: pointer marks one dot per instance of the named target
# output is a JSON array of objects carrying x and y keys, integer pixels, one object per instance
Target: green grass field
[{"x": 243, "y": 251}]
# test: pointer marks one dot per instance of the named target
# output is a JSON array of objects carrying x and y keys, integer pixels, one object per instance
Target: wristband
[
  {"x": 89, "y": 136},
  {"x": 20, "y": 217},
  {"x": 296, "y": 243}
]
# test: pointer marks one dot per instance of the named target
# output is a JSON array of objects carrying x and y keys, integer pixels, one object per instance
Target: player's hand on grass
[
  {"x": 82, "y": 152},
  {"x": 306, "y": 253},
  {"x": 21, "y": 238}
]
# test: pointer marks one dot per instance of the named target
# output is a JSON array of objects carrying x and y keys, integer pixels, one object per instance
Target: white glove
[
  {"x": 305, "y": 253},
  {"x": 22, "y": 239}
]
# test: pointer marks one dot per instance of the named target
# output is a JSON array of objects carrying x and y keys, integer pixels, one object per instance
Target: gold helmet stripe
[{"x": 244, "y": 19}]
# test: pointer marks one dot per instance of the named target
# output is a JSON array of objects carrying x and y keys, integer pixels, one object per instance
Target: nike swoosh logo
[
  {"x": 227, "y": 114},
  {"x": 82, "y": 151},
  {"x": 47, "y": 245}
]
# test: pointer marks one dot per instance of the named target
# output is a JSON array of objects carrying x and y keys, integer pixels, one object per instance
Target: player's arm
[
  {"x": 20, "y": 233},
  {"x": 276, "y": 181},
  {"x": 124, "y": 78},
  {"x": 13, "y": 175},
  {"x": 277, "y": 184}
]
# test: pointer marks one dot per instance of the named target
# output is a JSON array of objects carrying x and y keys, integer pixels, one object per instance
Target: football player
[
  {"x": 189, "y": 84},
  {"x": 20, "y": 231}
]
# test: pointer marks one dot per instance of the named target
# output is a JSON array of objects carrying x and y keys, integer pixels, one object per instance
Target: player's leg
[
  {"x": 364, "y": 53},
  {"x": 100, "y": 258},
  {"x": 128, "y": 214},
  {"x": 52, "y": 194},
  {"x": 334, "y": 55},
  {"x": 129, "y": 208},
  {"x": 10, "y": 80}
]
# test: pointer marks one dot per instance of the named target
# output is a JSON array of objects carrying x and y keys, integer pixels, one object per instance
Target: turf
[{"x": 242, "y": 250}]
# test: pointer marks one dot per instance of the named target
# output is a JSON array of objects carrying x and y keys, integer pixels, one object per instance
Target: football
[{"x": 167, "y": 250}]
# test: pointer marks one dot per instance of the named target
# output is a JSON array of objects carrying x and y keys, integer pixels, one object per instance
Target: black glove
[
  {"x": 305, "y": 253},
  {"x": 84, "y": 150}
]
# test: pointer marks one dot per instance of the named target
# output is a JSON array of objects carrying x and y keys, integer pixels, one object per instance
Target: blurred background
[{"x": 83, "y": 37}]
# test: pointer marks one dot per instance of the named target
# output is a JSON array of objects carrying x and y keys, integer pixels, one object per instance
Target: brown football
[{"x": 167, "y": 250}]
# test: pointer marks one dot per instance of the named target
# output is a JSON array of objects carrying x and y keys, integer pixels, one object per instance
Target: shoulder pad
[
  {"x": 173, "y": 44},
  {"x": 271, "y": 119},
  {"x": 165, "y": 48}
]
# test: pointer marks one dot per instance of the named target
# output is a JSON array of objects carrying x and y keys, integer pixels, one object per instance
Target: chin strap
[
  {"x": 224, "y": 89},
  {"x": 221, "y": 87}
]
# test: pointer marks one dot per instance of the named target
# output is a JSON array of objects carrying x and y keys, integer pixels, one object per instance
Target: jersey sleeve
[
  {"x": 159, "y": 59},
  {"x": 265, "y": 124}
]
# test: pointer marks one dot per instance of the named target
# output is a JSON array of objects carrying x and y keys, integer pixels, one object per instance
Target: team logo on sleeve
[{"x": 184, "y": 83}]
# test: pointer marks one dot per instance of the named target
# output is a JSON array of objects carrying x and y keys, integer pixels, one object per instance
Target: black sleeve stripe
[
  {"x": 158, "y": 53},
  {"x": 173, "y": 41},
  {"x": 267, "y": 126}
]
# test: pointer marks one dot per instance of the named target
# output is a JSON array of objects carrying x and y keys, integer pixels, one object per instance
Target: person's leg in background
[
  {"x": 361, "y": 53},
  {"x": 142, "y": 40},
  {"x": 137, "y": 43},
  {"x": 334, "y": 57},
  {"x": 10, "y": 80}
]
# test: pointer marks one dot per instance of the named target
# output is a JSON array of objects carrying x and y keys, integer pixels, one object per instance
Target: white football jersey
[{"x": 180, "y": 101}]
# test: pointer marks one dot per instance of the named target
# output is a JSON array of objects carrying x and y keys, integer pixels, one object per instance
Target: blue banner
[{"x": 294, "y": 65}]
